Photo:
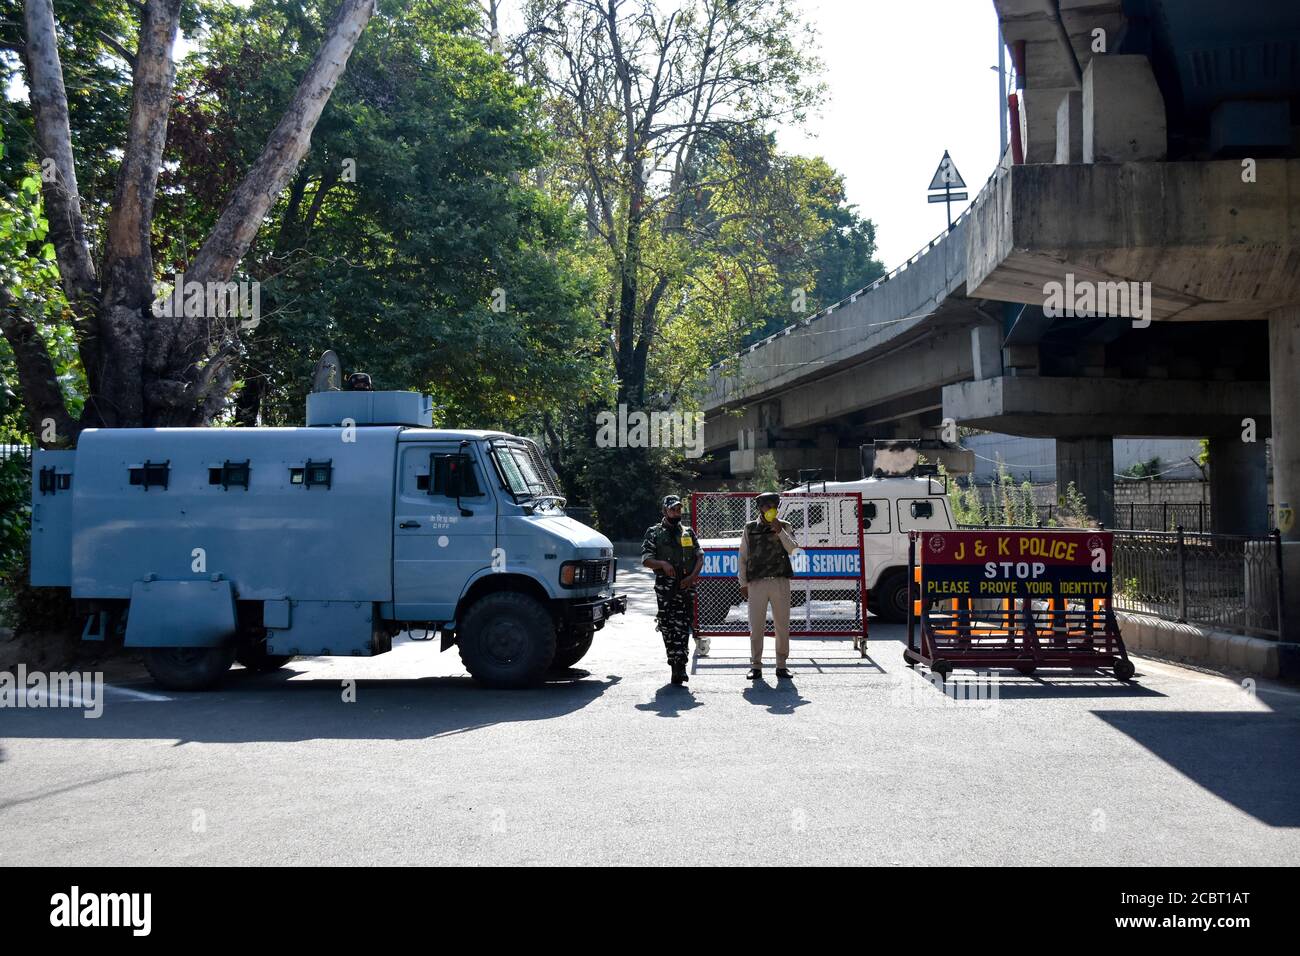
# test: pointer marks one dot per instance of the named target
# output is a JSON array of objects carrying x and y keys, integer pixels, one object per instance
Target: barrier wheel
[
  {"x": 942, "y": 668},
  {"x": 1124, "y": 669},
  {"x": 1026, "y": 668}
]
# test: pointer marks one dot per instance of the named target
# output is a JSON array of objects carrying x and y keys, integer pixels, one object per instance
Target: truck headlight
[{"x": 585, "y": 574}]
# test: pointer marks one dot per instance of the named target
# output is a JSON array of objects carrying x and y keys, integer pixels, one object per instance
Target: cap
[
  {"x": 671, "y": 501},
  {"x": 772, "y": 496}
]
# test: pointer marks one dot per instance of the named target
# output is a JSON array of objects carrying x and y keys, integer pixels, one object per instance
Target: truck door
[{"x": 439, "y": 545}]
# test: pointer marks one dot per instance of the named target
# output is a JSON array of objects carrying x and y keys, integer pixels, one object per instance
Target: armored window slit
[
  {"x": 313, "y": 473},
  {"x": 152, "y": 474},
  {"x": 232, "y": 474},
  {"x": 52, "y": 481}
]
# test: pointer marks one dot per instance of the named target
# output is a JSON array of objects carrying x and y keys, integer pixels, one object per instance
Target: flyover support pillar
[
  {"x": 1284, "y": 391},
  {"x": 1090, "y": 464},
  {"x": 1238, "y": 486}
]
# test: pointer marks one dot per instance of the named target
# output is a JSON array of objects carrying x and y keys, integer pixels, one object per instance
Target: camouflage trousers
[{"x": 674, "y": 619}]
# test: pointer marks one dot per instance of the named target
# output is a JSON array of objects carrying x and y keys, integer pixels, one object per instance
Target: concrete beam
[
  {"x": 986, "y": 351},
  {"x": 1046, "y": 62},
  {"x": 1080, "y": 407},
  {"x": 1123, "y": 111},
  {"x": 1212, "y": 247},
  {"x": 1038, "y": 122},
  {"x": 1069, "y": 128}
]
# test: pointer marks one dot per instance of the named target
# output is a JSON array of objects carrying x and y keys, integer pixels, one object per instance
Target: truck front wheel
[
  {"x": 571, "y": 647},
  {"x": 507, "y": 639},
  {"x": 189, "y": 668}
]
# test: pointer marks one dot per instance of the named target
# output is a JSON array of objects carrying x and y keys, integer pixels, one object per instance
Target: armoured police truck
[{"x": 203, "y": 546}]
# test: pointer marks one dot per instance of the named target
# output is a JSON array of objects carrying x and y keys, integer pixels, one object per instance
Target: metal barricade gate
[
  {"x": 1020, "y": 599},
  {"x": 828, "y": 595}
]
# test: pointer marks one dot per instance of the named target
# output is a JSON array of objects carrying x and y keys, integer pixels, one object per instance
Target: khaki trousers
[{"x": 763, "y": 591}]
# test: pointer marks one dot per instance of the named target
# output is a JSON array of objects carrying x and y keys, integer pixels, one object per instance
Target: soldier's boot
[{"x": 679, "y": 674}]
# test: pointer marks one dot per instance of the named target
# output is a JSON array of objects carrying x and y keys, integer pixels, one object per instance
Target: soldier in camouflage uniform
[{"x": 671, "y": 550}]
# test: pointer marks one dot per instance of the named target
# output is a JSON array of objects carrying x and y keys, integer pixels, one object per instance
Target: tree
[
  {"x": 411, "y": 238},
  {"x": 141, "y": 370},
  {"x": 643, "y": 99}
]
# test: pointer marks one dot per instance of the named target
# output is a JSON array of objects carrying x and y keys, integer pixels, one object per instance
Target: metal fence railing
[
  {"x": 1153, "y": 516},
  {"x": 1228, "y": 582}
]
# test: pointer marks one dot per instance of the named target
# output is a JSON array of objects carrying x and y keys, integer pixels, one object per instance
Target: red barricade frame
[
  {"x": 949, "y": 632},
  {"x": 858, "y": 632}
]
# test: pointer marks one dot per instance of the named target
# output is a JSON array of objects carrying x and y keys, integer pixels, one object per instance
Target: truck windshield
[{"x": 525, "y": 472}]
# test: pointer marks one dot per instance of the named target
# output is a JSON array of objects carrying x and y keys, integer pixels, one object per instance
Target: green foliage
[
  {"x": 1072, "y": 508},
  {"x": 765, "y": 476},
  {"x": 1144, "y": 469},
  {"x": 413, "y": 241},
  {"x": 625, "y": 487}
]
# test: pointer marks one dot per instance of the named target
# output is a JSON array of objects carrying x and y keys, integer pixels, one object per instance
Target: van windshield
[{"x": 524, "y": 471}]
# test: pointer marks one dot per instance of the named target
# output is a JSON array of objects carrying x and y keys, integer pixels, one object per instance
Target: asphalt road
[{"x": 855, "y": 761}]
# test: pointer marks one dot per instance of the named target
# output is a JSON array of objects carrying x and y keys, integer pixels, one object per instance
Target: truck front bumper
[{"x": 594, "y": 610}]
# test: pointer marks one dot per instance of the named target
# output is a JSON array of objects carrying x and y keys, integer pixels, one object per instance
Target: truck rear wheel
[
  {"x": 507, "y": 639},
  {"x": 571, "y": 648},
  {"x": 189, "y": 668}
]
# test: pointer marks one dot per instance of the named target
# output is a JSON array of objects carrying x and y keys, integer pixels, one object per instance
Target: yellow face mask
[{"x": 770, "y": 514}]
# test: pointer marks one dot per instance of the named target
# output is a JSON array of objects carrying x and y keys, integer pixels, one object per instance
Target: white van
[{"x": 891, "y": 507}]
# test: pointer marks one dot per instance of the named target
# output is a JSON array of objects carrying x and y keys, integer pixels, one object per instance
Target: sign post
[{"x": 947, "y": 179}]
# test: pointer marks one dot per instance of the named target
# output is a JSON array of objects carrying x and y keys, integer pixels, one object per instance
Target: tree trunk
[
  {"x": 126, "y": 320},
  {"x": 216, "y": 260},
  {"x": 631, "y": 385}
]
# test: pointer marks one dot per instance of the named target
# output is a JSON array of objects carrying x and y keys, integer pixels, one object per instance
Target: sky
[{"x": 906, "y": 79}]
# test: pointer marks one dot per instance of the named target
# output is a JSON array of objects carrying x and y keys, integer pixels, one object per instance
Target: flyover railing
[{"x": 1223, "y": 581}]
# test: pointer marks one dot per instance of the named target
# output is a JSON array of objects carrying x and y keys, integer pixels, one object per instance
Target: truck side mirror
[{"x": 452, "y": 477}]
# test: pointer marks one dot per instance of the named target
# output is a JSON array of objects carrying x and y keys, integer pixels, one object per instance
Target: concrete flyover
[
  {"x": 1131, "y": 269},
  {"x": 801, "y": 394}
]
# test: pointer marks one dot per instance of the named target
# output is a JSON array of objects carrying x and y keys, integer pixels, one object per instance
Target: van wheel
[
  {"x": 890, "y": 598},
  {"x": 189, "y": 668},
  {"x": 571, "y": 649},
  {"x": 507, "y": 639},
  {"x": 255, "y": 658}
]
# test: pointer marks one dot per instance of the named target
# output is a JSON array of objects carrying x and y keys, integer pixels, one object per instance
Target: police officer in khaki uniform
[
  {"x": 671, "y": 550},
  {"x": 764, "y": 571}
]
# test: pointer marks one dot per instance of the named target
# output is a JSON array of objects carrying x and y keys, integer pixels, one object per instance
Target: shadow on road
[
  {"x": 1251, "y": 760},
  {"x": 671, "y": 700},
  {"x": 271, "y": 708},
  {"x": 784, "y": 698}
]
